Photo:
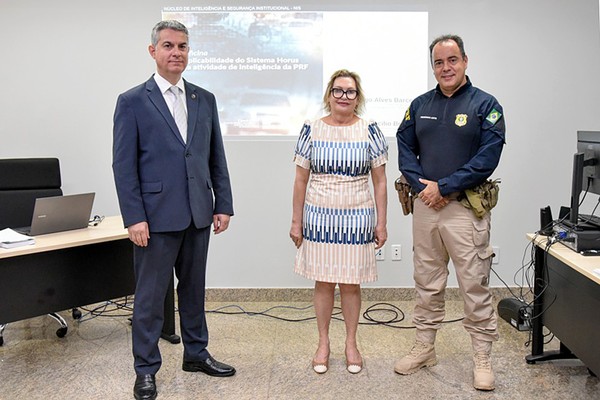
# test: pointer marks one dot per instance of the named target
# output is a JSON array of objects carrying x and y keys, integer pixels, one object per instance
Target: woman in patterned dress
[{"x": 336, "y": 223}]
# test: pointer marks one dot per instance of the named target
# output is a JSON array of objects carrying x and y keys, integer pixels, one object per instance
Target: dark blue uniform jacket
[{"x": 455, "y": 141}]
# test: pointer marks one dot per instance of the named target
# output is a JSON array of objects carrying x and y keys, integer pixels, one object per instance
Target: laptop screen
[{"x": 61, "y": 213}]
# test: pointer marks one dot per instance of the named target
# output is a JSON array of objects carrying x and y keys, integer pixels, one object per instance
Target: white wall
[{"x": 65, "y": 62}]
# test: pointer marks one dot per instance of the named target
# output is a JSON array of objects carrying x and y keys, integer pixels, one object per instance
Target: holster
[
  {"x": 482, "y": 198},
  {"x": 405, "y": 194}
]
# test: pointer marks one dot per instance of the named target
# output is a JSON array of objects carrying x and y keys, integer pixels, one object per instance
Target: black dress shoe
[
  {"x": 145, "y": 387},
  {"x": 210, "y": 366}
]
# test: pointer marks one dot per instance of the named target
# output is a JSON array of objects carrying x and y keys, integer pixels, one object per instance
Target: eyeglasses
[{"x": 339, "y": 93}]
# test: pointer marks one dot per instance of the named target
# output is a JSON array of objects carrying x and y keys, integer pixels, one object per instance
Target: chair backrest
[{"x": 22, "y": 180}]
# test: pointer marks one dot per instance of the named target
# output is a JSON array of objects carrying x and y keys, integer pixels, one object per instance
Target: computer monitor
[
  {"x": 588, "y": 143},
  {"x": 586, "y": 172}
]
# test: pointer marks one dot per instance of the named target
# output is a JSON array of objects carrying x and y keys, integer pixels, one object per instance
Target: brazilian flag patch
[{"x": 493, "y": 116}]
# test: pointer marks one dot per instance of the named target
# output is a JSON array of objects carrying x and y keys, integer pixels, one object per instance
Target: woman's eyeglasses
[{"x": 338, "y": 93}]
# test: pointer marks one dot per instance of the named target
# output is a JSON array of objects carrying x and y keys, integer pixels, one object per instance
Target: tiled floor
[{"x": 272, "y": 358}]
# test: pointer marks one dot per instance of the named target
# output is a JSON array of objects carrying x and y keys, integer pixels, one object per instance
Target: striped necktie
[{"x": 179, "y": 113}]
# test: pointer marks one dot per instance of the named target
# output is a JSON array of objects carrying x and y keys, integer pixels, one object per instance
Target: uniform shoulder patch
[
  {"x": 407, "y": 114},
  {"x": 493, "y": 116}
]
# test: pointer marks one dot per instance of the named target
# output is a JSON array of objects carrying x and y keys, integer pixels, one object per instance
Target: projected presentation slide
[{"x": 269, "y": 66}]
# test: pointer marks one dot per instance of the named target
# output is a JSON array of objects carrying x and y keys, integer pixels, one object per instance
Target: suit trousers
[
  {"x": 453, "y": 233},
  {"x": 186, "y": 251}
]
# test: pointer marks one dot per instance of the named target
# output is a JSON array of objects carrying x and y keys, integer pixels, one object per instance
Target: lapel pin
[{"x": 193, "y": 96}]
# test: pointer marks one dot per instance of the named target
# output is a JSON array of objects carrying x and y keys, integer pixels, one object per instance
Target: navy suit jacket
[{"x": 159, "y": 178}]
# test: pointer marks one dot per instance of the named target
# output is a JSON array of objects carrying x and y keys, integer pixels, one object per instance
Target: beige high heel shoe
[
  {"x": 320, "y": 367},
  {"x": 354, "y": 368}
]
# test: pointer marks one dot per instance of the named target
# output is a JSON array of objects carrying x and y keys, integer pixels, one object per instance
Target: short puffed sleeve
[
  {"x": 378, "y": 147},
  {"x": 302, "y": 152}
]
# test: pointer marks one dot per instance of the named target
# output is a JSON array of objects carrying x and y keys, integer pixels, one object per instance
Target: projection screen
[{"x": 268, "y": 65}]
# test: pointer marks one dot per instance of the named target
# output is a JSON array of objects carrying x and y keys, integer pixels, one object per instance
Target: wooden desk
[
  {"x": 110, "y": 229},
  {"x": 568, "y": 305},
  {"x": 70, "y": 269}
]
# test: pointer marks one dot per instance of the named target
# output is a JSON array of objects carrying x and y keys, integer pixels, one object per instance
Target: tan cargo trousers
[{"x": 453, "y": 233}]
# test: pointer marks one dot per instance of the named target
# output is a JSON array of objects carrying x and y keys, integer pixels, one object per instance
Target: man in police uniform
[{"x": 450, "y": 140}]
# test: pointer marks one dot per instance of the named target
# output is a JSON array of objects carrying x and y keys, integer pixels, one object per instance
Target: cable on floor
[
  {"x": 382, "y": 313},
  {"x": 394, "y": 314},
  {"x": 111, "y": 309}
]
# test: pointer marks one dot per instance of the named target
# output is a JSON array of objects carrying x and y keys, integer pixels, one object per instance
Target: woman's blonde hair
[{"x": 344, "y": 73}]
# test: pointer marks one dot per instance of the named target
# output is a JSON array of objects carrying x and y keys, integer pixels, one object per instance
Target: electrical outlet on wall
[
  {"x": 396, "y": 252},
  {"x": 496, "y": 259},
  {"x": 380, "y": 254}
]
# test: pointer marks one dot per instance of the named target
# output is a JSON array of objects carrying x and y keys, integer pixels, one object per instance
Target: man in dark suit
[{"x": 172, "y": 182}]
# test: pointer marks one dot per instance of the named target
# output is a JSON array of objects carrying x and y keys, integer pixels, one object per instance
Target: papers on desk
[{"x": 10, "y": 239}]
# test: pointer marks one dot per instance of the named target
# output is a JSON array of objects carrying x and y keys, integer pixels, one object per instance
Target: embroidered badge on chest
[{"x": 461, "y": 119}]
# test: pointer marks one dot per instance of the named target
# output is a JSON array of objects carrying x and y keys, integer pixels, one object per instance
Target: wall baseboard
[{"x": 306, "y": 294}]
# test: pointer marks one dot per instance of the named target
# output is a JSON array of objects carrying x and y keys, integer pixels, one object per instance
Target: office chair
[{"x": 22, "y": 180}]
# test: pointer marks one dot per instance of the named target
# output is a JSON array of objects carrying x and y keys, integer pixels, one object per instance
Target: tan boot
[
  {"x": 420, "y": 356},
  {"x": 483, "y": 376}
]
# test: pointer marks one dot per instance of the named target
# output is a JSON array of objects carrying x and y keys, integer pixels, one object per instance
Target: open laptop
[{"x": 59, "y": 213}]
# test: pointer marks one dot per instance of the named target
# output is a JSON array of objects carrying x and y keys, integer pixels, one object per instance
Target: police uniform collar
[{"x": 460, "y": 90}]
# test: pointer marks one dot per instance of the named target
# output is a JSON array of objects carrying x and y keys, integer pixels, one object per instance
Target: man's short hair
[{"x": 168, "y": 24}]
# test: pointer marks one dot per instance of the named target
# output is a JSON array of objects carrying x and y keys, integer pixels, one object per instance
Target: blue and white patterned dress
[{"x": 339, "y": 210}]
